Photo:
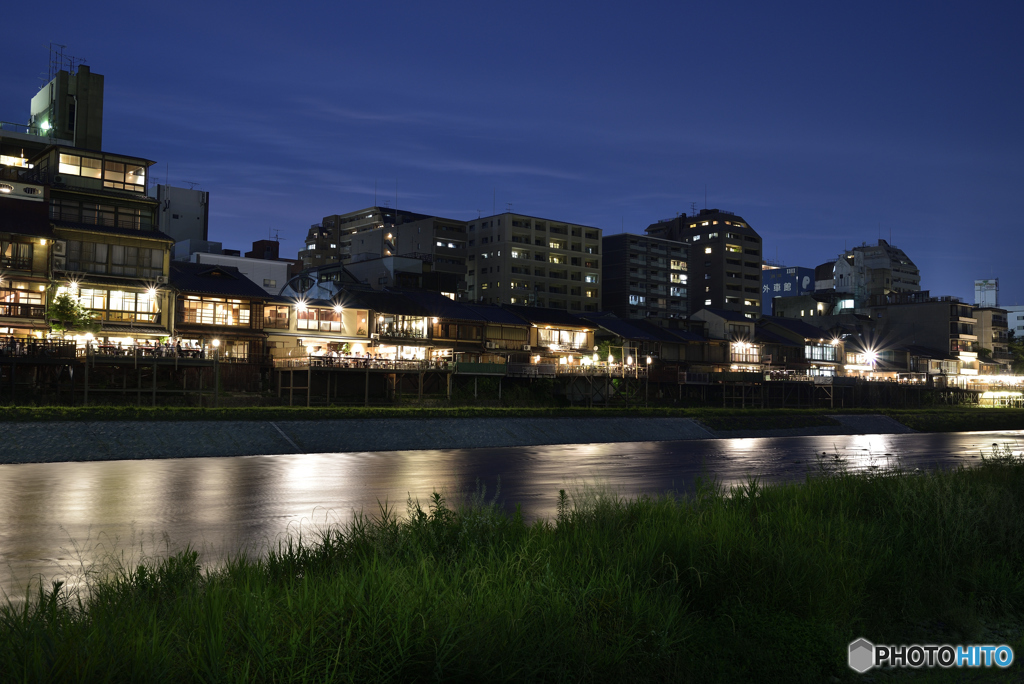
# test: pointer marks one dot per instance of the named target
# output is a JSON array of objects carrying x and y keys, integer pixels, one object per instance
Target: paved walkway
[{"x": 46, "y": 442}]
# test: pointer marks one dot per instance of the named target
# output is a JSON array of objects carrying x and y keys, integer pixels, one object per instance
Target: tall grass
[{"x": 754, "y": 583}]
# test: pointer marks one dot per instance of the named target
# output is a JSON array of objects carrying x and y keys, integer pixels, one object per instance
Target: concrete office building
[
  {"x": 725, "y": 259},
  {"x": 874, "y": 270},
  {"x": 183, "y": 214},
  {"x": 986, "y": 293},
  {"x": 378, "y": 232},
  {"x": 783, "y": 281},
  {"x": 992, "y": 330},
  {"x": 1015, "y": 321},
  {"x": 645, "y": 278},
  {"x": 530, "y": 261},
  {"x": 67, "y": 111}
]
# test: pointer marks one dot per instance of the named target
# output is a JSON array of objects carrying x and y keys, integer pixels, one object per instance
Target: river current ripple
[{"x": 67, "y": 521}]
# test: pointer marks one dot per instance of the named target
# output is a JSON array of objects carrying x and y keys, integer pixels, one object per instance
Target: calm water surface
[{"x": 64, "y": 520}]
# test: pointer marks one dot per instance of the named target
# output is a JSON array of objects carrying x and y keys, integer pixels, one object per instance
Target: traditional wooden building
[
  {"x": 26, "y": 239},
  {"x": 217, "y": 309}
]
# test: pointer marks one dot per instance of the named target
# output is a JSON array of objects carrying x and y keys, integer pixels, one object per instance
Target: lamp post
[
  {"x": 216, "y": 373},
  {"x": 647, "y": 382}
]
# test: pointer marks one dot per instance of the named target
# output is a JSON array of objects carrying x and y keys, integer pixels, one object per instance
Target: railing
[
  {"x": 359, "y": 363},
  {"x": 16, "y": 263},
  {"x": 480, "y": 368},
  {"x": 28, "y": 348},
  {"x": 141, "y": 351},
  {"x": 395, "y": 331},
  {"x": 23, "y": 311}
]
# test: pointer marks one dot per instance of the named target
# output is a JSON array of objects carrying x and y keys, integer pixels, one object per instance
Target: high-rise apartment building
[
  {"x": 516, "y": 259},
  {"x": 725, "y": 259},
  {"x": 874, "y": 270},
  {"x": 379, "y": 232},
  {"x": 645, "y": 278}
]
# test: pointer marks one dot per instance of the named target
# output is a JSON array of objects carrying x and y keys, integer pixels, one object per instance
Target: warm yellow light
[
  {"x": 648, "y": 360},
  {"x": 89, "y": 336},
  {"x": 629, "y": 360},
  {"x": 337, "y": 308},
  {"x": 611, "y": 359},
  {"x": 301, "y": 306},
  {"x": 152, "y": 292},
  {"x": 309, "y": 349},
  {"x": 43, "y": 242},
  {"x": 216, "y": 343}
]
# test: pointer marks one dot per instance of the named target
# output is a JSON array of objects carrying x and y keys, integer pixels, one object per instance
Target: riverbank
[
  {"x": 171, "y": 434},
  {"x": 763, "y": 583}
]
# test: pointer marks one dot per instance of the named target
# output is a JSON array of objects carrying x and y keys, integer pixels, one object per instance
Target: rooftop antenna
[
  {"x": 56, "y": 60},
  {"x": 274, "y": 234},
  {"x": 693, "y": 208},
  {"x": 479, "y": 213},
  {"x": 508, "y": 207},
  {"x": 191, "y": 184}
]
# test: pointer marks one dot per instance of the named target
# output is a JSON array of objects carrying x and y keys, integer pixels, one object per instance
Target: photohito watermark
[{"x": 864, "y": 655}]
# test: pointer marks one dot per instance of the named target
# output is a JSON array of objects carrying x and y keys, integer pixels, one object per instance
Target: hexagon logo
[{"x": 862, "y": 655}]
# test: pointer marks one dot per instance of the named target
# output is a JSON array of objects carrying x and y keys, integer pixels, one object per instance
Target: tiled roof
[
  {"x": 111, "y": 230},
  {"x": 441, "y": 306},
  {"x": 536, "y": 314},
  {"x": 495, "y": 314},
  {"x": 797, "y": 326},
  {"x": 381, "y": 302},
  {"x": 213, "y": 279},
  {"x": 728, "y": 315},
  {"x": 623, "y": 328}
]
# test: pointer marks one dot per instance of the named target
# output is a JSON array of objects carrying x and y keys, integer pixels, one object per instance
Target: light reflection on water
[{"x": 64, "y": 520}]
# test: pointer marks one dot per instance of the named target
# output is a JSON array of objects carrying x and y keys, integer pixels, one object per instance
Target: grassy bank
[
  {"x": 758, "y": 584},
  {"x": 924, "y": 420}
]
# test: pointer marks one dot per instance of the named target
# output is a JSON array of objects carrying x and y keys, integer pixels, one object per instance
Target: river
[{"x": 67, "y": 520}]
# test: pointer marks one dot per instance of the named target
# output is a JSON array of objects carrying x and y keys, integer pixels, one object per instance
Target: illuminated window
[
  {"x": 707, "y": 250},
  {"x": 215, "y": 311}
]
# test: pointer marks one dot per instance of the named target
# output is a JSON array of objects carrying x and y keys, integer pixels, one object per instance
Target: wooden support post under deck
[
  {"x": 85, "y": 395},
  {"x": 366, "y": 388},
  {"x": 154, "y": 380},
  {"x": 309, "y": 383}
]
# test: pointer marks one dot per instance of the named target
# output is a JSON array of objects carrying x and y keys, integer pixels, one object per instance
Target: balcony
[
  {"x": 16, "y": 263},
  {"x": 37, "y": 311}
]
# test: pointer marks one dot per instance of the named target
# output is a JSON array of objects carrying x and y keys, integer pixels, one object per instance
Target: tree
[
  {"x": 1017, "y": 350},
  {"x": 66, "y": 314}
]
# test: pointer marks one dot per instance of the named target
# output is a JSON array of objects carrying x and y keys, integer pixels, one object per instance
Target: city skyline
[{"x": 824, "y": 128}]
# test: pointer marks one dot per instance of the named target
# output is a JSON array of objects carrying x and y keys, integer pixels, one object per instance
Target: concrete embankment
[{"x": 43, "y": 442}]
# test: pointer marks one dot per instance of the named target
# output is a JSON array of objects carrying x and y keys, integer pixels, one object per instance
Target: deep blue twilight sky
[{"x": 820, "y": 123}]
